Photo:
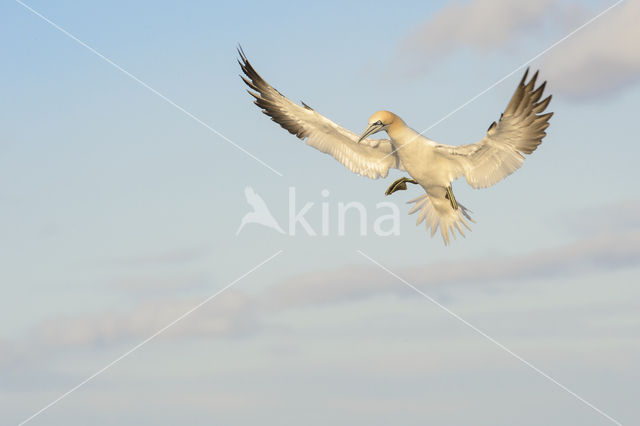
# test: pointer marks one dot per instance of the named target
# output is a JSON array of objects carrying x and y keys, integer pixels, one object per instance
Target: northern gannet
[{"x": 433, "y": 166}]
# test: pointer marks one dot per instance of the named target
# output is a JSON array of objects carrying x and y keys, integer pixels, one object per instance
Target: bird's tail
[{"x": 438, "y": 213}]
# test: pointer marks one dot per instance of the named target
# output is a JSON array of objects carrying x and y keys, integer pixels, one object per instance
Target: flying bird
[{"x": 431, "y": 165}]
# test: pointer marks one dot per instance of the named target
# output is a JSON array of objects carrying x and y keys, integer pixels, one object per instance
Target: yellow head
[
  {"x": 384, "y": 117},
  {"x": 378, "y": 122}
]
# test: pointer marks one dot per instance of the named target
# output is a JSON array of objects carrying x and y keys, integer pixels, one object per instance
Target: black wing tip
[
  {"x": 241, "y": 53},
  {"x": 541, "y": 87},
  {"x": 244, "y": 63},
  {"x": 533, "y": 78},
  {"x": 524, "y": 77},
  {"x": 257, "y": 82},
  {"x": 264, "y": 97},
  {"x": 546, "y": 101}
]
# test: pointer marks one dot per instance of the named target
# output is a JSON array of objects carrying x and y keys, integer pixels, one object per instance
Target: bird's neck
[{"x": 400, "y": 133}]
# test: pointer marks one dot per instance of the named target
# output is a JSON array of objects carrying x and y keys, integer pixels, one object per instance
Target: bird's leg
[
  {"x": 399, "y": 185},
  {"x": 451, "y": 198}
]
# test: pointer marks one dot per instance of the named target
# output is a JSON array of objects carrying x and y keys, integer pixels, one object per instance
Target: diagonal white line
[
  {"x": 491, "y": 339},
  {"x": 142, "y": 83},
  {"x": 506, "y": 77},
  {"x": 148, "y": 339}
]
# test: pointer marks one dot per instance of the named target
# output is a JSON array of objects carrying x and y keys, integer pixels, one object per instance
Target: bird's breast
[{"x": 424, "y": 164}]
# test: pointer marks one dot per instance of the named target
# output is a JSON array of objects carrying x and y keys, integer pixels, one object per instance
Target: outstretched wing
[
  {"x": 519, "y": 131},
  {"x": 368, "y": 158}
]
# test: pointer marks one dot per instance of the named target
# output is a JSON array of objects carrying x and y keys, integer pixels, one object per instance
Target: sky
[{"x": 121, "y": 201}]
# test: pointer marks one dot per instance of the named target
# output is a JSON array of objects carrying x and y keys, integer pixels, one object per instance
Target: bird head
[{"x": 378, "y": 122}]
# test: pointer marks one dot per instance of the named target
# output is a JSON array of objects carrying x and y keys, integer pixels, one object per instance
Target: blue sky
[{"x": 119, "y": 213}]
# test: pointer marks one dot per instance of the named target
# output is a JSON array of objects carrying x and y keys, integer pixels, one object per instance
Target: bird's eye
[{"x": 379, "y": 122}]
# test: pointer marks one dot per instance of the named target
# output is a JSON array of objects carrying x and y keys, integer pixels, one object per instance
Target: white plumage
[{"x": 434, "y": 166}]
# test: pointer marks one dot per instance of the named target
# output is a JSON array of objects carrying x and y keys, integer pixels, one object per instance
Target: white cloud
[
  {"x": 598, "y": 219},
  {"x": 480, "y": 24},
  {"x": 606, "y": 252},
  {"x": 230, "y": 313},
  {"x": 169, "y": 257},
  {"x": 600, "y": 59},
  {"x": 234, "y": 313}
]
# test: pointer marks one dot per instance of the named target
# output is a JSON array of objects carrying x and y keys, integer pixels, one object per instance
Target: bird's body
[
  {"x": 431, "y": 165},
  {"x": 420, "y": 157},
  {"x": 434, "y": 170}
]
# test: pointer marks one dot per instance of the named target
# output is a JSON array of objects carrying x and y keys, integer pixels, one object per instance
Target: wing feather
[
  {"x": 519, "y": 131},
  {"x": 368, "y": 158}
]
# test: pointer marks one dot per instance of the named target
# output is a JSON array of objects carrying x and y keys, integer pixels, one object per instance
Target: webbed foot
[
  {"x": 399, "y": 185},
  {"x": 449, "y": 196}
]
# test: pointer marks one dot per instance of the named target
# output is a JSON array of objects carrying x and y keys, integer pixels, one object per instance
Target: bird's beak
[{"x": 374, "y": 128}]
